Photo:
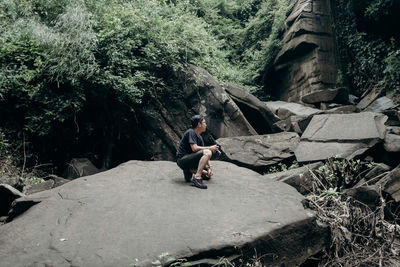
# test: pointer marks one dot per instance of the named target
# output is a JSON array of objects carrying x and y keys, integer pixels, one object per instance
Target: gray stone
[
  {"x": 336, "y": 95},
  {"x": 314, "y": 151},
  {"x": 306, "y": 63},
  {"x": 163, "y": 126},
  {"x": 131, "y": 214},
  {"x": 381, "y": 104},
  {"x": 342, "y": 110},
  {"x": 256, "y": 112},
  {"x": 259, "y": 151},
  {"x": 392, "y": 139},
  {"x": 357, "y": 126},
  {"x": 292, "y": 124},
  {"x": 369, "y": 97},
  {"x": 391, "y": 183},
  {"x": 80, "y": 167},
  {"x": 343, "y": 135},
  {"x": 300, "y": 178},
  {"x": 285, "y": 109}
]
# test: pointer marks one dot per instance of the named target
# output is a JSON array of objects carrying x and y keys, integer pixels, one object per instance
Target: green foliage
[
  {"x": 31, "y": 179},
  {"x": 4, "y": 145},
  {"x": 63, "y": 60},
  {"x": 281, "y": 167},
  {"x": 338, "y": 173},
  {"x": 392, "y": 69},
  {"x": 368, "y": 59}
]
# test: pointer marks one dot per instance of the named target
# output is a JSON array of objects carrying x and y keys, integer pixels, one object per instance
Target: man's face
[{"x": 202, "y": 126}]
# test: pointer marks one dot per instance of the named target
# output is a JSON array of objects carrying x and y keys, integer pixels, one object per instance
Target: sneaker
[
  {"x": 198, "y": 183},
  {"x": 188, "y": 176}
]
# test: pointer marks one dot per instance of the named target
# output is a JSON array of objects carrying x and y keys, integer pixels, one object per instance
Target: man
[{"x": 193, "y": 156}]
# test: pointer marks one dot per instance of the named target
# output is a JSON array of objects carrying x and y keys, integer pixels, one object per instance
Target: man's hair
[{"x": 196, "y": 119}]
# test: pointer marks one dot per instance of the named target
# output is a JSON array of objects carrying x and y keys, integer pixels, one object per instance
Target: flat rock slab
[
  {"x": 285, "y": 109},
  {"x": 135, "y": 212},
  {"x": 259, "y": 151},
  {"x": 344, "y": 135}
]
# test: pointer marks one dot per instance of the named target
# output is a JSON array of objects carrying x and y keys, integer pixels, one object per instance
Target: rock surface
[
  {"x": 257, "y": 152},
  {"x": 392, "y": 139},
  {"x": 391, "y": 183},
  {"x": 344, "y": 135},
  {"x": 259, "y": 115},
  {"x": 131, "y": 215},
  {"x": 163, "y": 126},
  {"x": 337, "y": 95},
  {"x": 299, "y": 178},
  {"x": 286, "y": 109},
  {"x": 306, "y": 62}
]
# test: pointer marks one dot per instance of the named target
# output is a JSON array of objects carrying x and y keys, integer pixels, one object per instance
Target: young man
[{"x": 193, "y": 155}]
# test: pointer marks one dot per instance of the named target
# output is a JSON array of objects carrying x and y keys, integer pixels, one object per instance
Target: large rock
[
  {"x": 284, "y": 109},
  {"x": 259, "y": 151},
  {"x": 391, "y": 183},
  {"x": 381, "y": 104},
  {"x": 131, "y": 214},
  {"x": 300, "y": 178},
  {"x": 392, "y": 139},
  {"x": 369, "y": 97},
  {"x": 164, "y": 123},
  {"x": 336, "y": 95},
  {"x": 306, "y": 63},
  {"x": 344, "y": 135},
  {"x": 259, "y": 115}
]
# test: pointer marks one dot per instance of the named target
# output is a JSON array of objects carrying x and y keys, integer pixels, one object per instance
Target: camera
[{"x": 218, "y": 150}]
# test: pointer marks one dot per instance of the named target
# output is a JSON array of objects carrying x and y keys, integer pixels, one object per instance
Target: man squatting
[{"x": 192, "y": 156}]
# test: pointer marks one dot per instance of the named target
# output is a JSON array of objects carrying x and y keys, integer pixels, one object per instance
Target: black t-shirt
[{"x": 189, "y": 137}]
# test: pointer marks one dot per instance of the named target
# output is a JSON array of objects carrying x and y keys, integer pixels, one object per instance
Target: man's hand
[{"x": 213, "y": 148}]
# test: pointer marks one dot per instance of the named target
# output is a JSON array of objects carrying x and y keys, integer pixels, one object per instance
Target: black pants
[{"x": 190, "y": 161}]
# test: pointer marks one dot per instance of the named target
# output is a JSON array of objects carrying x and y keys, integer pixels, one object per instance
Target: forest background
[{"x": 71, "y": 72}]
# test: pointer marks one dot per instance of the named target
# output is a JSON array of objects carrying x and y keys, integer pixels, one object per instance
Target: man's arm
[{"x": 196, "y": 147}]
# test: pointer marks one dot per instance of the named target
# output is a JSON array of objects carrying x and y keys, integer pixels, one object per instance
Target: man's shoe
[{"x": 198, "y": 183}]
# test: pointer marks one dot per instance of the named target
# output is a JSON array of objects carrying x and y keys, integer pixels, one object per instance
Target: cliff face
[{"x": 307, "y": 60}]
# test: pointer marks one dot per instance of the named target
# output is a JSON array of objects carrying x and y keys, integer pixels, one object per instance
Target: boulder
[
  {"x": 258, "y": 152},
  {"x": 391, "y": 183},
  {"x": 336, "y": 95},
  {"x": 130, "y": 215},
  {"x": 80, "y": 167},
  {"x": 343, "y": 135},
  {"x": 292, "y": 124},
  {"x": 392, "y": 139},
  {"x": 306, "y": 63},
  {"x": 341, "y": 110},
  {"x": 256, "y": 112},
  {"x": 368, "y": 97},
  {"x": 381, "y": 104},
  {"x": 164, "y": 122},
  {"x": 7, "y": 195},
  {"x": 300, "y": 178},
  {"x": 284, "y": 109}
]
